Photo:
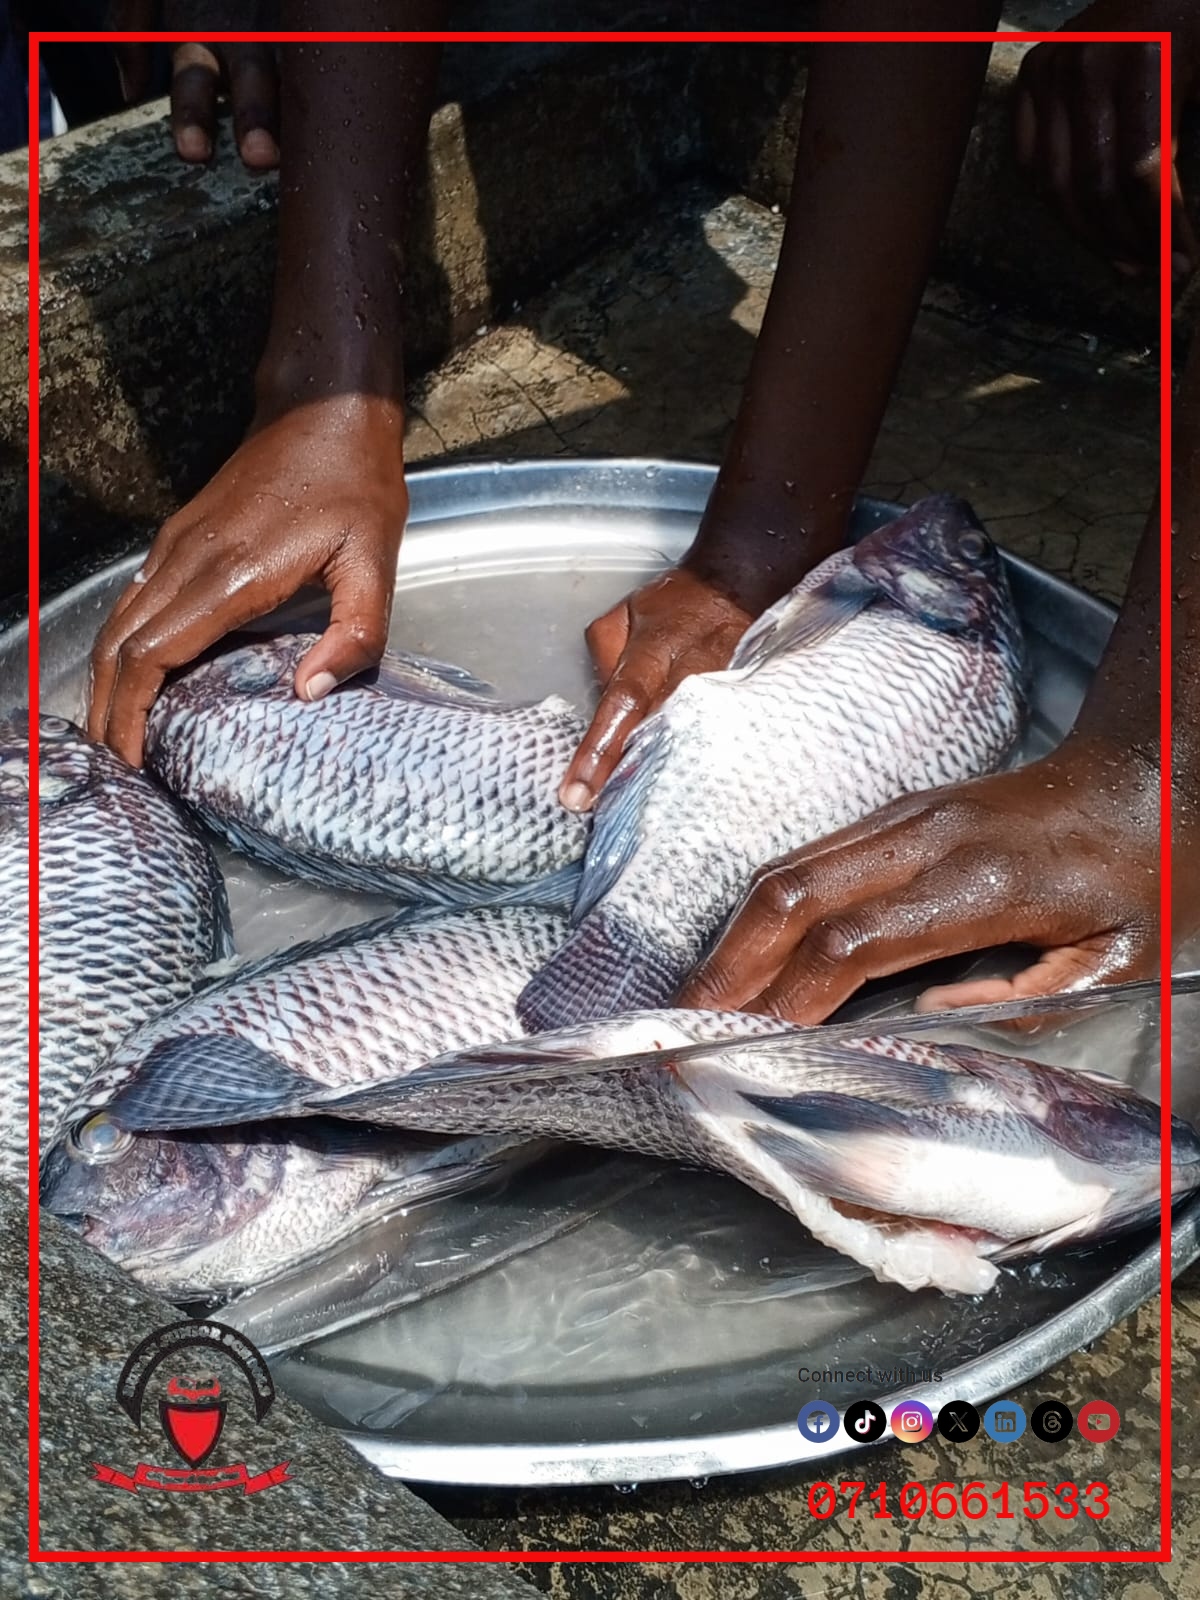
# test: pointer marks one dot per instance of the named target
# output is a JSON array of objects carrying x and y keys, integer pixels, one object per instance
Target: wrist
[{"x": 754, "y": 546}]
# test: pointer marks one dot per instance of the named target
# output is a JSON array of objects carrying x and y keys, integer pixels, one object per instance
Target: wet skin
[
  {"x": 837, "y": 322},
  {"x": 1087, "y": 126},
  {"x": 202, "y": 72},
  {"x": 1062, "y": 855},
  {"x": 316, "y": 493}
]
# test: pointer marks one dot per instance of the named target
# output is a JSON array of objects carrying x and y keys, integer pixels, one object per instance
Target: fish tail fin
[
  {"x": 206, "y": 1081},
  {"x": 608, "y": 965}
]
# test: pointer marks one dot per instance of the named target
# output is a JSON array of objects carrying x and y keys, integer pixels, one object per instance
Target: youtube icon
[{"x": 1098, "y": 1421}]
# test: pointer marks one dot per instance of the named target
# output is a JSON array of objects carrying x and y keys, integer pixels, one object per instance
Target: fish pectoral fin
[
  {"x": 618, "y": 815},
  {"x": 208, "y": 1080},
  {"x": 403, "y": 676},
  {"x": 827, "y": 1164},
  {"x": 805, "y": 618}
]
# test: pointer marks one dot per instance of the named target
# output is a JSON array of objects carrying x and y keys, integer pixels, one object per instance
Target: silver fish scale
[
  {"x": 805, "y": 745},
  {"x": 741, "y": 767},
  {"x": 408, "y": 781},
  {"x": 349, "y": 1009},
  {"x": 131, "y": 909}
]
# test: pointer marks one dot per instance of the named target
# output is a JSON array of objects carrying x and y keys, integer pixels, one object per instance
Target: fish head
[
  {"x": 253, "y": 669},
  {"x": 148, "y": 1200},
  {"x": 69, "y": 762},
  {"x": 938, "y": 563}
]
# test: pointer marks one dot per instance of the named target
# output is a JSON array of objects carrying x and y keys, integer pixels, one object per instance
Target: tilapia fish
[
  {"x": 893, "y": 667},
  {"x": 927, "y": 1163},
  {"x": 131, "y": 907},
  {"x": 412, "y": 780},
  {"x": 190, "y": 1215}
]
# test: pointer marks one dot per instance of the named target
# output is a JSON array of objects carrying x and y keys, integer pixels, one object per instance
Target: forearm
[
  {"x": 355, "y": 119},
  {"x": 881, "y": 141}
]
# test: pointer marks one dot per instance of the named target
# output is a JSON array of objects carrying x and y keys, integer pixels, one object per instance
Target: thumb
[{"x": 354, "y": 641}]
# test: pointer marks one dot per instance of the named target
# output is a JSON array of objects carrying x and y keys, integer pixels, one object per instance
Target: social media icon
[
  {"x": 911, "y": 1421},
  {"x": 818, "y": 1421},
  {"x": 864, "y": 1421},
  {"x": 1051, "y": 1421},
  {"x": 1098, "y": 1421},
  {"x": 958, "y": 1421},
  {"x": 1004, "y": 1421}
]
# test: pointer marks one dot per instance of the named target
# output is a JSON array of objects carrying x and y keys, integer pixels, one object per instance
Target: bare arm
[
  {"x": 316, "y": 493},
  {"x": 881, "y": 140}
]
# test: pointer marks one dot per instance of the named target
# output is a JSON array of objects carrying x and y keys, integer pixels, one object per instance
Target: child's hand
[
  {"x": 1087, "y": 124},
  {"x": 316, "y": 496}
]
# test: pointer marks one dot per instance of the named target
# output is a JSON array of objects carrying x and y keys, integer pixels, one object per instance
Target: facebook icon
[{"x": 818, "y": 1421}]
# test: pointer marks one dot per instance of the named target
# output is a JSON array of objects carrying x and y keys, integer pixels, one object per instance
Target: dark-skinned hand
[
  {"x": 1087, "y": 125},
  {"x": 1062, "y": 854},
  {"x": 642, "y": 649},
  {"x": 201, "y": 73},
  {"x": 314, "y": 496}
]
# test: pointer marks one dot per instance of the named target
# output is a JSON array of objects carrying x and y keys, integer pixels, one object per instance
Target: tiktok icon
[{"x": 864, "y": 1421}]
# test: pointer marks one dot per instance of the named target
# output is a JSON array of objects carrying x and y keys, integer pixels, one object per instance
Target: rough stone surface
[{"x": 92, "y": 1316}]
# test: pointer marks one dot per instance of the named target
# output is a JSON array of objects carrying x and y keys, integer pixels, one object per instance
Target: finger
[
  {"x": 607, "y": 638},
  {"x": 885, "y": 851},
  {"x": 136, "y": 605},
  {"x": 361, "y": 596},
  {"x": 1098, "y": 193},
  {"x": 1031, "y": 79},
  {"x": 133, "y": 71},
  {"x": 1106, "y": 959},
  {"x": 254, "y": 92},
  {"x": 202, "y": 612},
  {"x": 195, "y": 80},
  {"x": 1139, "y": 154},
  {"x": 628, "y": 699},
  {"x": 953, "y": 908}
]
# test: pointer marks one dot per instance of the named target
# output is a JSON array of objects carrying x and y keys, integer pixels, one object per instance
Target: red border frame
[{"x": 1163, "y": 1552}]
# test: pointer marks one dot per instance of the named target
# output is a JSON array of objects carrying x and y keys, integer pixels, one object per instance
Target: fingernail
[
  {"x": 576, "y": 796},
  {"x": 319, "y": 685},
  {"x": 259, "y": 149},
  {"x": 194, "y": 144}
]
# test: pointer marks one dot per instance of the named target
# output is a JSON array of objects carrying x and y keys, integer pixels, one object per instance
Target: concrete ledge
[{"x": 92, "y": 1317}]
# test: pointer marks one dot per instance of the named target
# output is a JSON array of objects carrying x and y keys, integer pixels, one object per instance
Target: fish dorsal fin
[
  {"x": 403, "y": 676},
  {"x": 619, "y": 811},
  {"x": 805, "y": 618}
]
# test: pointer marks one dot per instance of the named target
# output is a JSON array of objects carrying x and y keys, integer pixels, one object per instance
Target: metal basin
[{"x": 662, "y": 1338}]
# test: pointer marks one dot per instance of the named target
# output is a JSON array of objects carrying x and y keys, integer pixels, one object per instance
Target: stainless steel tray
[{"x": 662, "y": 1338}]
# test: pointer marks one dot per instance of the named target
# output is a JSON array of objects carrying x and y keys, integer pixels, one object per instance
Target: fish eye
[
  {"x": 972, "y": 544},
  {"x": 54, "y": 727},
  {"x": 101, "y": 1139},
  {"x": 251, "y": 670}
]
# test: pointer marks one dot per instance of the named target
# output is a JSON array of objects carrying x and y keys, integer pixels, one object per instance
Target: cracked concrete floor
[{"x": 1053, "y": 437}]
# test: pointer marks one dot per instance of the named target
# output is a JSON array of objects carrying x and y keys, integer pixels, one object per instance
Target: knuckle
[
  {"x": 134, "y": 652},
  {"x": 776, "y": 893},
  {"x": 833, "y": 941}
]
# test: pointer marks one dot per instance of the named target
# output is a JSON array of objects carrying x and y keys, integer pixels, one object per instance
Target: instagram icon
[{"x": 911, "y": 1421}]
